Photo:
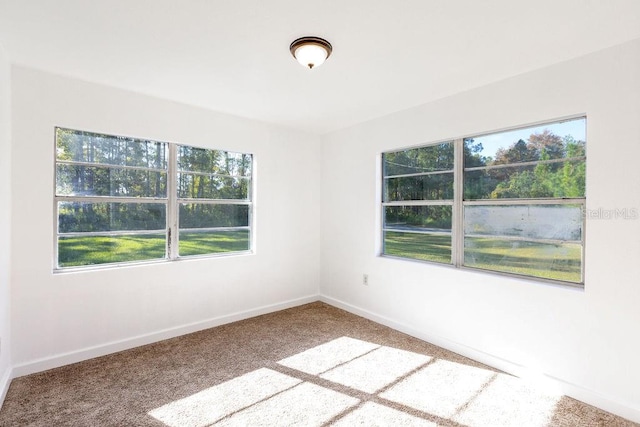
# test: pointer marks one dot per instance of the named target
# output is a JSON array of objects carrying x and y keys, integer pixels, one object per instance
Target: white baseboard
[
  {"x": 58, "y": 360},
  {"x": 5, "y": 382},
  {"x": 615, "y": 406}
]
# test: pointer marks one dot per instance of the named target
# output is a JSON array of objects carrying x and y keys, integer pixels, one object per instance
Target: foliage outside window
[
  {"x": 121, "y": 199},
  {"x": 515, "y": 202}
]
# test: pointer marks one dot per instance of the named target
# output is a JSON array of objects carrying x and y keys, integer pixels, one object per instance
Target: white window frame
[
  {"x": 459, "y": 204},
  {"x": 171, "y": 202}
]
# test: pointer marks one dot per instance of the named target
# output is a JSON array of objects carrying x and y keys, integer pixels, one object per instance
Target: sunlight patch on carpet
[
  {"x": 208, "y": 406},
  {"x": 441, "y": 388},
  {"x": 374, "y": 415},
  {"x": 508, "y": 401},
  {"x": 326, "y": 356},
  {"x": 304, "y": 405},
  {"x": 377, "y": 369},
  {"x": 408, "y": 389}
]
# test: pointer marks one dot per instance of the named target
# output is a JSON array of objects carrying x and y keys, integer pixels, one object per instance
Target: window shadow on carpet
[{"x": 347, "y": 381}]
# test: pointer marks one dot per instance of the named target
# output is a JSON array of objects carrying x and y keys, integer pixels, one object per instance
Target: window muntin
[
  {"x": 114, "y": 204},
  {"x": 214, "y": 197},
  {"x": 518, "y": 203},
  {"x": 417, "y": 202}
]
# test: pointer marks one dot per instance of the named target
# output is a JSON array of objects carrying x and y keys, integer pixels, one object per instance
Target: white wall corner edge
[
  {"x": 5, "y": 382},
  {"x": 59, "y": 360},
  {"x": 613, "y": 405}
]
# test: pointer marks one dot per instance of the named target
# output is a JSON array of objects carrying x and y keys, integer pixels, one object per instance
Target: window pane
[
  {"x": 73, "y": 180},
  {"x": 558, "y": 148},
  {"x": 87, "y": 147},
  {"x": 423, "y": 187},
  {"x": 200, "y": 215},
  {"x": 201, "y": 233},
  {"x": 193, "y": 186},
  {"x": 192, "y": 159},
  {"x": 418, "y": 218},
  {"x": 418, "y": 232},
  {"x": 74, "y": 217},
  {"x": 89, "y": 250},
  {"x": 417, "y": 160},
  {"x": 425, "y": 247},
  {"x": 211, "y": 241},
  {"x": 551, "y": 141},
  {"x": 543, "y": 180},
  {"x": 553, "y": 222},
  {"x": 509, "y": 239},
  {"x": 549, "y": 261}
]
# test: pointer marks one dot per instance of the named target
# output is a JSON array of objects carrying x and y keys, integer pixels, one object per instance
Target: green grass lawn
[
  {"x": 209, "y": 243},
  {"x": 557, "y": 262},
  {"x": 425, "y": 247},
  {"x": 78, "y": 251}
]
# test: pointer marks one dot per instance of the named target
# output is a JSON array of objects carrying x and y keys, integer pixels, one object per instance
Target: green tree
[{"x": 546, "y": 179}]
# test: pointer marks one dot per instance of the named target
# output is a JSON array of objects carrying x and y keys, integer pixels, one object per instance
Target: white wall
[
  {"x": 60, "y": 318},
  {"x": 5, "y": 226},
  {"x": 586, "y": 339}
]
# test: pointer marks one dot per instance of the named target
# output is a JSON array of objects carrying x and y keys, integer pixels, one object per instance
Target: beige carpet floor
[{"x": 312, "y": 365}]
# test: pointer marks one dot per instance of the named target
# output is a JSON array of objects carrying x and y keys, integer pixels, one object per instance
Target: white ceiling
[{"x": 233, "y": 56}]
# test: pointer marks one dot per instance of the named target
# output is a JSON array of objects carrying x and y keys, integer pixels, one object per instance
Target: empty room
[{"x": 319, "y": 213}]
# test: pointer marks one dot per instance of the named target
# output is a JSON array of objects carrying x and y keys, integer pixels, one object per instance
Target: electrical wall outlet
[{"x": 365, "y": 279}]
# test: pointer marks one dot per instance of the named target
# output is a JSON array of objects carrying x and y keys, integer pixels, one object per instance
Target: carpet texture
[{"x": 312, "y": 365}]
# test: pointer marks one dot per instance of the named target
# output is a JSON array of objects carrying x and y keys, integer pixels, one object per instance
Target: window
[
  {"x": 510, "y": 202},
  {"x": 214, "y": 201},
  {"x": 418, "y": 202},
  {"x": 121, "y": 199}
]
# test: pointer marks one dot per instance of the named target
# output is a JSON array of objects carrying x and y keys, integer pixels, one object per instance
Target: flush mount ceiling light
[{"x": 310, "y": 51}]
